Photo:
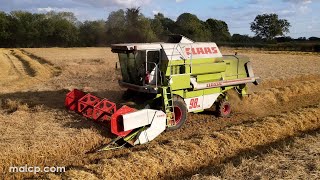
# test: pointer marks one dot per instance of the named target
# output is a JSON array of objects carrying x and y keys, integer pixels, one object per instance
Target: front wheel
[
  {"x": 223, "y": 108},
  {"x": 180, "y": 113}
]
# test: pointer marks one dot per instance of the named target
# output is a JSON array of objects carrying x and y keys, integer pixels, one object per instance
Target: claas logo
[{"x": 202, "y": 50}]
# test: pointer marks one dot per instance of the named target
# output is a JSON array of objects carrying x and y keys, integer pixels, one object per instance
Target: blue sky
[{"x": 302, "y": 14}]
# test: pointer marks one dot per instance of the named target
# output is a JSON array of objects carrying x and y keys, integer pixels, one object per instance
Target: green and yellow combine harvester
[{"x": 174, "y": 78}]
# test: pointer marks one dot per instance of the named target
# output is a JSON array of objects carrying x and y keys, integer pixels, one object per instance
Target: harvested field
[
  {"x": 290, "y": 158},
  {"x": 281, "y": 65},
  {"x": 19, "y": 71},
  {"x": 37, "y": 130},
  {"x": 188, "y": 155}
]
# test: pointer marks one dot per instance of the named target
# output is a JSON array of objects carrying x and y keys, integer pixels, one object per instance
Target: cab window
[{"x": 153, "y": 57}]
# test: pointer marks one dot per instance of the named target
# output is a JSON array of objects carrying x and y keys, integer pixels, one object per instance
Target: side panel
[
  {"x": 210, "y": 77},
  {"x": 208, "y": 100},
  {"x": 194, "y": 104},
  {"x": 212, "y": 91},
  {"x": 201, "y": 102},
  {"x": 235, "y": 66},
  {"x": 199, "y": 66},
  {"x": 191, "y": 51},
  {"x": 208, "y": 68},
  {"x": 141, "y": 118},
  {"x": 180, "y": 81},
  {"x": 232, "y": 68},
  {"x": 190, "y": 94},
  {"x": 158, "y": 125}
]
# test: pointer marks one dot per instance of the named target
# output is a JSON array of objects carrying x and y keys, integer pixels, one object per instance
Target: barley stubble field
[{"x": 273, "y": 133}]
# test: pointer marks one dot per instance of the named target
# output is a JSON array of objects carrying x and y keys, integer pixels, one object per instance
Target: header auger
[{"x": 173, "y": 78}]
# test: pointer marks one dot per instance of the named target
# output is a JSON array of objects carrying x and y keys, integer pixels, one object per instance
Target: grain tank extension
[{"x": 173, "y": 78}]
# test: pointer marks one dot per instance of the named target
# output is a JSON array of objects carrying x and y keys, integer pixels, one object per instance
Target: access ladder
[{"x": 168, "y": 105}]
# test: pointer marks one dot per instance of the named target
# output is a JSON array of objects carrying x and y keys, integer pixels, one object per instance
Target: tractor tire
[
  {"x": 223, "y": 108},
  {"x": 180, "y": 110}
]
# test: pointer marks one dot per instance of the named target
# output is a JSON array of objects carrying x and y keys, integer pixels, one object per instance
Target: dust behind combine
[{"x": 36, "y": 129}]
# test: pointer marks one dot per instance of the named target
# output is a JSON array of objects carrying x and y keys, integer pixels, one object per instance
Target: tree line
[
  {"x": 26, "y": 29},
  {"x": 63, "y": 29}
]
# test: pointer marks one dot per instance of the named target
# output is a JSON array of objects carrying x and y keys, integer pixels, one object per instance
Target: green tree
[
  {"x": 314, "y": 38},
  {"x": 26, "y": 28},
  {"x": 36, "y": 30},
  {"x": 238, "y": 38},
  {"x": 69, "y": 16},
  {"x": 169, "y": 26},
  {"x": 129, "y": 26},
  {"x": 133, "y": 30},
  {"x": 162, "y": 26},
  {"x": 190, "y": 26},
  {"x": 269, "y": 26},
  {"x": 115, "y": 26},
  {"x": 93, "y": 33},
  {"x": 148, "y": 35},
  {"x": 5, "y": 30},
  {"x": 219, "y": 30},
  {"x": 62, "y": 29},
  {"x": 157, "y": 28},
  {"x": 138, "y": 27}
]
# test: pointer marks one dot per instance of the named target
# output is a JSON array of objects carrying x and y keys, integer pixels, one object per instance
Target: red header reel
[{"x": 93, "y": 107}]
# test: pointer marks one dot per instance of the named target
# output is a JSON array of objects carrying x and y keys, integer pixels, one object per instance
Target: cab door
[{"x": 152, "y": 67}]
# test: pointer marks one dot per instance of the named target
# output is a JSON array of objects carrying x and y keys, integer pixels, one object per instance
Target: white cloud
[
  {"x": 178, "y": 1},
  {"x": 75, "y": 11},
  {"x": 117, "y": 3},
  {"x": 307, "y": 2},
  {"x": 287, "y": 12},
  {"x": 257, "y": 2},
  {"x": 299, "y": 1},
  {"x": 301, "y": 6},
  {"x": 304, "y": 9},
  {"x": 48, "y": 9}
]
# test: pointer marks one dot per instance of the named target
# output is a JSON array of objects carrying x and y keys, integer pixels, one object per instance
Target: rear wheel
[
  {"x": 180, "y": 112},
  {"x": 223, "y": 108}
]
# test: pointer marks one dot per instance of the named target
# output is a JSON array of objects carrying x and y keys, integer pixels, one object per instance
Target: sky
[{"x": 302, "y": 14}]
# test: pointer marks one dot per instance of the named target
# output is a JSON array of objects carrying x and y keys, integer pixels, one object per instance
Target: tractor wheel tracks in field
[
  {"x": 186, "y": 156},
  {"x": 55, "y": 69},
  {"x": 23, "y": 70},
  {"x": 257, "y": 153},
  {"x": 27, "y": 66},
  {"x": 15, "y": 67},
  {"x": 20, "y": 66}
]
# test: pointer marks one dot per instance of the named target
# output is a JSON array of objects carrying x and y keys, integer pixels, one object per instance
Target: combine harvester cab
[{"x": 181, "y": 76}]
